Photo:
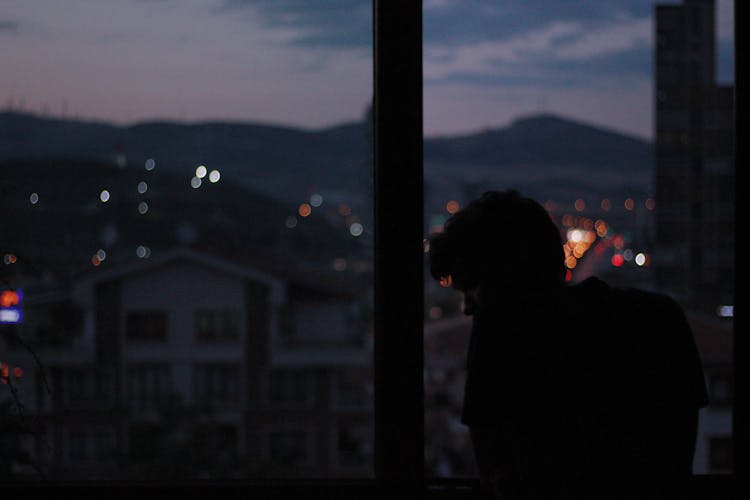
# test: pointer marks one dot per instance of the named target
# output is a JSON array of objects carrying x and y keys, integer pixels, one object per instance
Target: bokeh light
[
  {"x": 304, "y": 210},
  {"x": 104, "y": 196}
]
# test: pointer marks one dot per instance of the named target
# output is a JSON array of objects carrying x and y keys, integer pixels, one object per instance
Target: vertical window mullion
[{"x": 398, "y": 259}]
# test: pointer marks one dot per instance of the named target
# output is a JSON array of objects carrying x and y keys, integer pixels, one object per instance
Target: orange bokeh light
[
  {"x": 304, "y": 210},
  {"x": 446, "y": 281},
  {"x": 8, "y": 298}
]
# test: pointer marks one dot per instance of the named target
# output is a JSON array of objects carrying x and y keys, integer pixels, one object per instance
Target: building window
[
  {"x": 720, "y": 390},
  {"x": 289, "y": 386},
  {"x": 720, "y": 454},
  {"x": 146, "y": 325},
  {"x": 85, "y": 445},
  {"x": 352, "y": 389},
  {"x": 149, "y": 383},
  {"x": 216, "y": 384},
  {"x": 89, "y": 384},
  {"x": 288, "y": 447},
  {"x": 354, "y": 445},
  {"x": 78, "y": 446},
  {"x": 217, "y": 325}
]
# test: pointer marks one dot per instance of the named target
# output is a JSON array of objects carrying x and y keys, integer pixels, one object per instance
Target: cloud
[
  {"x": 560, "y": 53},
  {"x": 8, "y": 27},
  {"x": 338, "y": 24}
]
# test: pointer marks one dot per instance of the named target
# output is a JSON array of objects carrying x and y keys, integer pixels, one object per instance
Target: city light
[
  {"x": 142, "y": 208},
  {"x": 34, "y": 198},
  {"x": 629, "y": 204},
  {"x": 725, "y": 311},
  {"x": 316, "y": 200},
  {"x": 150, "y": 164},
  {"x": 104, "y": 196},
  {"x": 580, "y": 205},
  {"x": 640, "y": 259},
  {"x": 618, "y": 260},
  {"x": 291, "y": 222},
  {"x": 142, "y": 187},
  {"x": 101, "y": 254},
  {"x": 214, "y": 176},
  {"x": 10, "y": 298},
  {"x": 10, "y": 315},
  {"x": 143, "y": 252},
  {"x": 344, "y": 210},
  {"x": 606, "y": 204},
  {"x": 452, "y": 207},
  {"x": 356, "y": 229},
  {"x": 650, "y": 204},
  {"x": 446, "y": 281},
  {"x": 195, "y": 182},
  {"x": 304, "y": 210},
  {"x": 201, "y": 171}
]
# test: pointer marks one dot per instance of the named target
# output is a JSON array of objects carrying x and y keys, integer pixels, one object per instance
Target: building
[
  {"x": 695, "y": 197},
  {"x": 189, "y": 366},
  {"x": 694, "y": 161}
]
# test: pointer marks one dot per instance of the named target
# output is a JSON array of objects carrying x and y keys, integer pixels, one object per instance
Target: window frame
[{"x": 398, "y": 357}]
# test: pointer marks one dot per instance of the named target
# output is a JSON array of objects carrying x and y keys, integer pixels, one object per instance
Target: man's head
[{"x": 500, "y": 239}]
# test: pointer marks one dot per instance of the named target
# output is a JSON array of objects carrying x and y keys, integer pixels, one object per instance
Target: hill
[{"x": 545, "y": 156}]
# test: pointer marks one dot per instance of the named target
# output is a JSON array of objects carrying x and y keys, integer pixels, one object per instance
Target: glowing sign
[{"x": 10, "y": 310}]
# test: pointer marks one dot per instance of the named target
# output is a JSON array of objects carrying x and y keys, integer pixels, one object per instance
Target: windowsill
[{"x": 702, "y": 487}]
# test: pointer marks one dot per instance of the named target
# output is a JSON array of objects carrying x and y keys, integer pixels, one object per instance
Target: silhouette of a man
[{"x": 572, "y": 391}]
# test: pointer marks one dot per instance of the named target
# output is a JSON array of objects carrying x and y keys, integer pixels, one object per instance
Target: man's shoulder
[{"x": 625, "y": 296}]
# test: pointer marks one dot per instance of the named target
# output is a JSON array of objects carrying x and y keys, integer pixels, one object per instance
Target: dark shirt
[{"x": 583, "y": 379}]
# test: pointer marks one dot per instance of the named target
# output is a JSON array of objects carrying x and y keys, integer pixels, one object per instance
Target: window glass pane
[
  {"x": 618, "y": 120},
  {"x": 186, "y": 275}
]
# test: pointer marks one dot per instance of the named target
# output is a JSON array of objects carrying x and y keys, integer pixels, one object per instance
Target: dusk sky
[{"x": 309, "y": 63}]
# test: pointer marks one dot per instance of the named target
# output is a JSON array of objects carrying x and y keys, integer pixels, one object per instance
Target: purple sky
[{"x": 308, "y": 63}]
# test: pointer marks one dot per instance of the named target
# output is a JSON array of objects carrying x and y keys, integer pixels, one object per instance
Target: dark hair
[{"x": 499, "y": 237}]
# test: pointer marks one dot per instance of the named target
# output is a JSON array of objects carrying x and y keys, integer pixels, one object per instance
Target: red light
[
  {"x": 17, "y": 372},
  {"x": 446, "y": 281},
  {"x": 568, "y": 275},
  {"x": 618, "y": 260},
  {"x": 8, "y": 298}
]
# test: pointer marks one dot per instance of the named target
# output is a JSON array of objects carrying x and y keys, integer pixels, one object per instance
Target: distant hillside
[
  {"x": 543, "y": 140},
  {"x": 544, "y": 155},
  {"x": 61, "y": 227},
  {"x": 286, "y": 163}
]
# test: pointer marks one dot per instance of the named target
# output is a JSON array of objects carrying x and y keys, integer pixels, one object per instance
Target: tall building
[{"x": 694, "y": 160}]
